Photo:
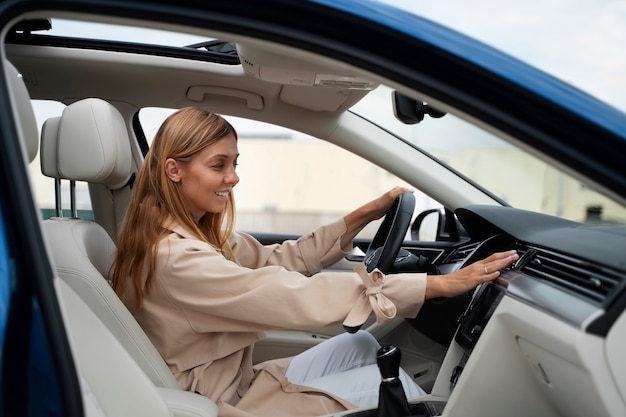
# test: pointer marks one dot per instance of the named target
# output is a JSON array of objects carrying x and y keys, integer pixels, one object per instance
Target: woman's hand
[
  {"x": 468, "y": 278},
  {"x": 374, "y": 210},
  {"x": 381, "y": 205}
]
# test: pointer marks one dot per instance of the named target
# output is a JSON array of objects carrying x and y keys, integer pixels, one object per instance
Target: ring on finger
[{"x": 486, "y": 271}]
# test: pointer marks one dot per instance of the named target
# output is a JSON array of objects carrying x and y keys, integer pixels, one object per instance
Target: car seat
[
  {"x": 89, "y": 142},
  {"x": 114, "y": 376},
  {"x": 24, "y": 111}
]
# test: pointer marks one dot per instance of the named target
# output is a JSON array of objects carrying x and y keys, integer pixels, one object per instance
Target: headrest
[
  {"x": 89, "y": 142},
  {"x": 25, "y": 111},
  {"x": 49, "y": 139}
]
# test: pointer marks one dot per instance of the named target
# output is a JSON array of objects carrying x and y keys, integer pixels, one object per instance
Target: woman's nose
[{"x": 232, "y": 177}]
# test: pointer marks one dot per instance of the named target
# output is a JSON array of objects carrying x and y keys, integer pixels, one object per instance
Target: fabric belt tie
[{"x": 371, "y": 300}]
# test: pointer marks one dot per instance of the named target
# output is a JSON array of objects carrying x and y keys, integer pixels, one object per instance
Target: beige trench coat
[{"x": 205, "y": 313}]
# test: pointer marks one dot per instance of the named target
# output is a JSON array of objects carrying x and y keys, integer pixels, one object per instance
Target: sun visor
[{"x": 281, "y": 69}]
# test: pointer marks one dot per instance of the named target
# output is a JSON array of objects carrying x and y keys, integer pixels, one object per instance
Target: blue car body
[{"x": 551, "y": 116}]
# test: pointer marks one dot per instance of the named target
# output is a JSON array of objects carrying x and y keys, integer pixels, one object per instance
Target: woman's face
[{"x": 209, "y": 178}]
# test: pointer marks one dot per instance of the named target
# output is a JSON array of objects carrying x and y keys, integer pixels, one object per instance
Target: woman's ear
[{"x": 172, "y": 170}]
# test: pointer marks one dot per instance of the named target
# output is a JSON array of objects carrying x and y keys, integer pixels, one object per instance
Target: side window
[
  {"x": 44, "y": 186},
  {"x": 293, "y": 183}
]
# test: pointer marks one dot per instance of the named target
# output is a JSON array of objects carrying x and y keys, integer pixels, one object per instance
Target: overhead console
[
  {"x": 306, "y": 84},
  {"x": 283, "y": 69}
]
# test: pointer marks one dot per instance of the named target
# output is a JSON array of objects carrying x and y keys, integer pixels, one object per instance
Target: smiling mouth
[{"x": 222, "y": 193}]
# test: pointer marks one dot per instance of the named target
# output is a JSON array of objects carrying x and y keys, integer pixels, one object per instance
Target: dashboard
[
  {"x": 575, "y": 272},
  {"x": 544, "y": 338}
]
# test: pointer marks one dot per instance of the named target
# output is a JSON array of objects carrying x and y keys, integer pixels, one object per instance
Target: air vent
[
  {"x": 462, "y": 253},
  {"x": 575, "y": 275}
]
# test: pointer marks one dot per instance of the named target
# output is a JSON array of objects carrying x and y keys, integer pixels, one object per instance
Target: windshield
[
  {"x": 511, "y": 174},
  {"x": 581, "y": 42}
]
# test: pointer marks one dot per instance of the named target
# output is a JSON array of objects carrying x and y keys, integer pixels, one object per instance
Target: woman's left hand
[
  {"x": 374, "y": 210},
  {"x": 382, "y": 204}
]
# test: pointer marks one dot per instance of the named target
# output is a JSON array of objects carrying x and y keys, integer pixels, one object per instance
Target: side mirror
[
  {"x": 436, "y": 225},
  {"x": 410, "y": 111},
  {"x": 428, "y": 225}
]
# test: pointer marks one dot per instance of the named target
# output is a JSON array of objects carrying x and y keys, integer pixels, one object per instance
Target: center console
[
  {"x": 471, "y": 325},
  {"x": 393, "y": 402}
]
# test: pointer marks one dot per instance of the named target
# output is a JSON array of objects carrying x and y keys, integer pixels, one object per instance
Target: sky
[{"x": 582, "y": 42}]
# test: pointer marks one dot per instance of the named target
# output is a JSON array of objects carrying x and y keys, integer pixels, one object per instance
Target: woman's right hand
[{"x": 469, "y": 277}]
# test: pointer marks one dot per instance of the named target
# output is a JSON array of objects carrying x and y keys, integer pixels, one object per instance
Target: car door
[{"x": 38, "y": 373}]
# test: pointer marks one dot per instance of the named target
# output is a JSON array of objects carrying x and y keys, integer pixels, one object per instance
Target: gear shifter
[
  {"x": 392, "y": 400},
  {"x": 388, "y": 359}
]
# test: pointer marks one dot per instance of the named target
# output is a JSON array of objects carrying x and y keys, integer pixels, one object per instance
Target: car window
[
  {"x": 510, "y": 173},
  {"x": 111, "y": 32},
  {"x": 44, "y": 186},
  {"x": 293, "y": 183}
]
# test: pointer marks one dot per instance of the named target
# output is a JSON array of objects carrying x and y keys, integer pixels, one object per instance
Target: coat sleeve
[
  {"x": 307, "y": 255},
  {"x": 218, "y": 295}
]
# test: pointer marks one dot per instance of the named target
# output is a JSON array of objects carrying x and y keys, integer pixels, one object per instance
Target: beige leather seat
[
  {"x": 113, "y": 382},
  {"x": 24, "y": 111},
  {"x": 89, "y": 142}
]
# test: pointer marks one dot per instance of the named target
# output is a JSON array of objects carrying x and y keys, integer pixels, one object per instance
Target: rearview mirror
[{"x": 410, "y": 111}]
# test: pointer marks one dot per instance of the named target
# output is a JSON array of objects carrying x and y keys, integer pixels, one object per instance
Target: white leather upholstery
[
  {"x": 112, "y": 383},
  {"x": 25, "y": 112},
  {"x": 89, "y": 143},
  {"x": 49, "y": 137},
  {"x": 83, "y": 252},
  {"x": 188, "y": 404}
]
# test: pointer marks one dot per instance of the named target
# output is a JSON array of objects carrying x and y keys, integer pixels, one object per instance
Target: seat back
[
  {"x": 89, "y": 142},
  {"x": 25, "y": 113}
]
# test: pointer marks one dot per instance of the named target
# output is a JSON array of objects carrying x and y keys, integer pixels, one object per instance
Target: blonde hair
[{"x": 155, "y": 198}]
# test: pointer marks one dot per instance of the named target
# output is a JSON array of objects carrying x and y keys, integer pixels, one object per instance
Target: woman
[{"x": 204, "y": 293}]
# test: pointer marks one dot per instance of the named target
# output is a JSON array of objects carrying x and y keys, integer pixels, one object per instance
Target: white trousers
[{"x": 345, "y": 366}]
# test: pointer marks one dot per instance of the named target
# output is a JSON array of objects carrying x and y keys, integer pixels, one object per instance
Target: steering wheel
[{"x": 385, "y": 245}]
